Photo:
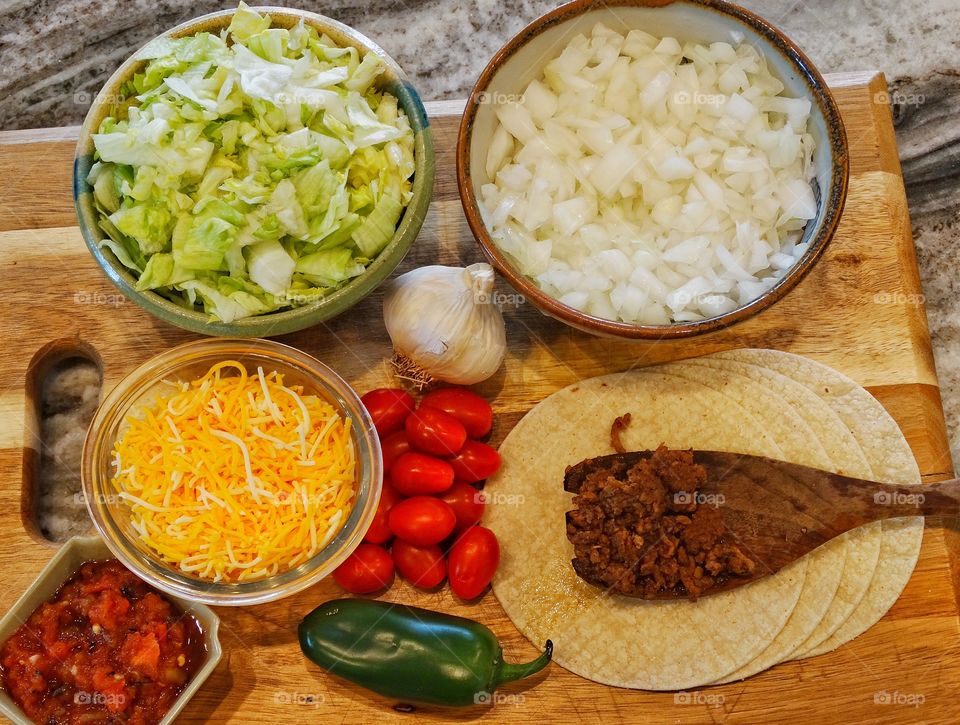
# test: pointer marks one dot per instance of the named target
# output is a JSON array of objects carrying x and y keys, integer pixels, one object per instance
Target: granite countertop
[{"x": 57, "y": 53}]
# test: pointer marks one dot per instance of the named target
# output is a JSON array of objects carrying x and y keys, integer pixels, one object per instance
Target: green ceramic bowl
[
  {"x": 393, "y": 81},
  {"x": 60, "y": 568}
]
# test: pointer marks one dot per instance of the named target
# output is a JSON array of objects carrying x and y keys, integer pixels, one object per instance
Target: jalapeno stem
[{"x": 509, "y": 672}]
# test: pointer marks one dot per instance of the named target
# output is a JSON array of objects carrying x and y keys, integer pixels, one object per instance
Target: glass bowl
[{"x": 111, "y": 515}]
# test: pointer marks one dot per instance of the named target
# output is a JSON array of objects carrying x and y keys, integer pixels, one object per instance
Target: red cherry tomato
[
  {"x": 470, "y": 409},
  {"x": 422, "y": 566},
  {"x": 379, "y": 531},
  {"x": 433, "y": 431},
  {"x": 473, "y": 561},
  {"x": 392, "y": 447},
  {"x": 414, "y": 473},
  {"x": 466, "y": 502},
  {"x": 422, "y": 520},
  {"x": 368, "y": 569},
  {"x": 476, "y": 461},
  {"x": 388, "y": 407}
]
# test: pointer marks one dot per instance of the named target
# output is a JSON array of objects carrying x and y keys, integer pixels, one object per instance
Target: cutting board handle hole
[{"x": 64, "y": 383}]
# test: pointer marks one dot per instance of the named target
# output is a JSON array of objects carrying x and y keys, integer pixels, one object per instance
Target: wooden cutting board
[{"x": 860, "y": 311}]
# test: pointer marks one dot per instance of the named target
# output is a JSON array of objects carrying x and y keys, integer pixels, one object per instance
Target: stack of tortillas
[{"x": 758, "y": 402}]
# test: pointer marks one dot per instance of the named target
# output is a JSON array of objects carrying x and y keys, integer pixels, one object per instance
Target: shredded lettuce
[{"x": 253, "y": 170}]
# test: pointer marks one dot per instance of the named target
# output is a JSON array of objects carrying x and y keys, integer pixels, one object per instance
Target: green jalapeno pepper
[{"x": 412, "y": 654}]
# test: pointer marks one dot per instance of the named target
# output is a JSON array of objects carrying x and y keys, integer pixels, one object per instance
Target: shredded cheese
[{"x": 235, "y": 493}]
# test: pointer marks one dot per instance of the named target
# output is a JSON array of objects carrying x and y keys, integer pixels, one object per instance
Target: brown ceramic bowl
[{"x": 522, "y": 59}]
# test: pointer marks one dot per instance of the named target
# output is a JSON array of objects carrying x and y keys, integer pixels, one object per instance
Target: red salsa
[{"x": 106, "y": 648}]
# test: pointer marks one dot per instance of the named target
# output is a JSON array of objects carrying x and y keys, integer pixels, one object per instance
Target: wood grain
[{"x": 860, "y": 311}]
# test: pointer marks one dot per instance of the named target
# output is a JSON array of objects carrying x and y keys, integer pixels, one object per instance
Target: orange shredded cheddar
[{"x": 236, "y": 476}]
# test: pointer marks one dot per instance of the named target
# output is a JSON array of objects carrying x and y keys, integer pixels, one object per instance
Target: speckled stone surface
[{"x": 56, "y": 54}]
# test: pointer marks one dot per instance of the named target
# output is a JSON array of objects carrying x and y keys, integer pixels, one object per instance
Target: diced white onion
[{"x": 649, "y": 181}]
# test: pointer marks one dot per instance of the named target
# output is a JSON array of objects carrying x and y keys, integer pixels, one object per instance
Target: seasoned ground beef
[
  {"x": 641, "y": 529},
  {"x": 619, "y": 425}
]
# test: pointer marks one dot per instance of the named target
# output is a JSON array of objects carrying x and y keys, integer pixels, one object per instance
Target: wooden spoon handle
[
  {"x": 869, "y": 501},
  {"x": 937, "y": 499},
  {"x": 837, "y": 503}
]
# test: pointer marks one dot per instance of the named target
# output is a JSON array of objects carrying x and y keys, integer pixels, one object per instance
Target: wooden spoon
[{"x": 777, "y": 512}]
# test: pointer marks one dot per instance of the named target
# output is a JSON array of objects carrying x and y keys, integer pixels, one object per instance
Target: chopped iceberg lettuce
[{"x": 252, "y": 170}]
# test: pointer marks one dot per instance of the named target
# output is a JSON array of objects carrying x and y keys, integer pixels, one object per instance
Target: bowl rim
[
  {"x": 84, "y": 546},
  {"x": 296, "y": 318},
  {"x": 833, "y": 205},
  {"x": 161, "y": 575}
]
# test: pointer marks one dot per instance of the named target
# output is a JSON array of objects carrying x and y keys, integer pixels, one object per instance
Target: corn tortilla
[
  {"x": 618, "y": 640},
  {"x": 812, "y": 435},
  {"x": 890, "y": 459},
  {"x": 750, "y": 401}
]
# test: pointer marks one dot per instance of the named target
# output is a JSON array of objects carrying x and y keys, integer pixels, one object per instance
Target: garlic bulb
[{"x": 444, "y": 325}]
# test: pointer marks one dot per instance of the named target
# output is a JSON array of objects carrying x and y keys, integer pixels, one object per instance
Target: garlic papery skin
[{"x": 444, "y": 321}]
